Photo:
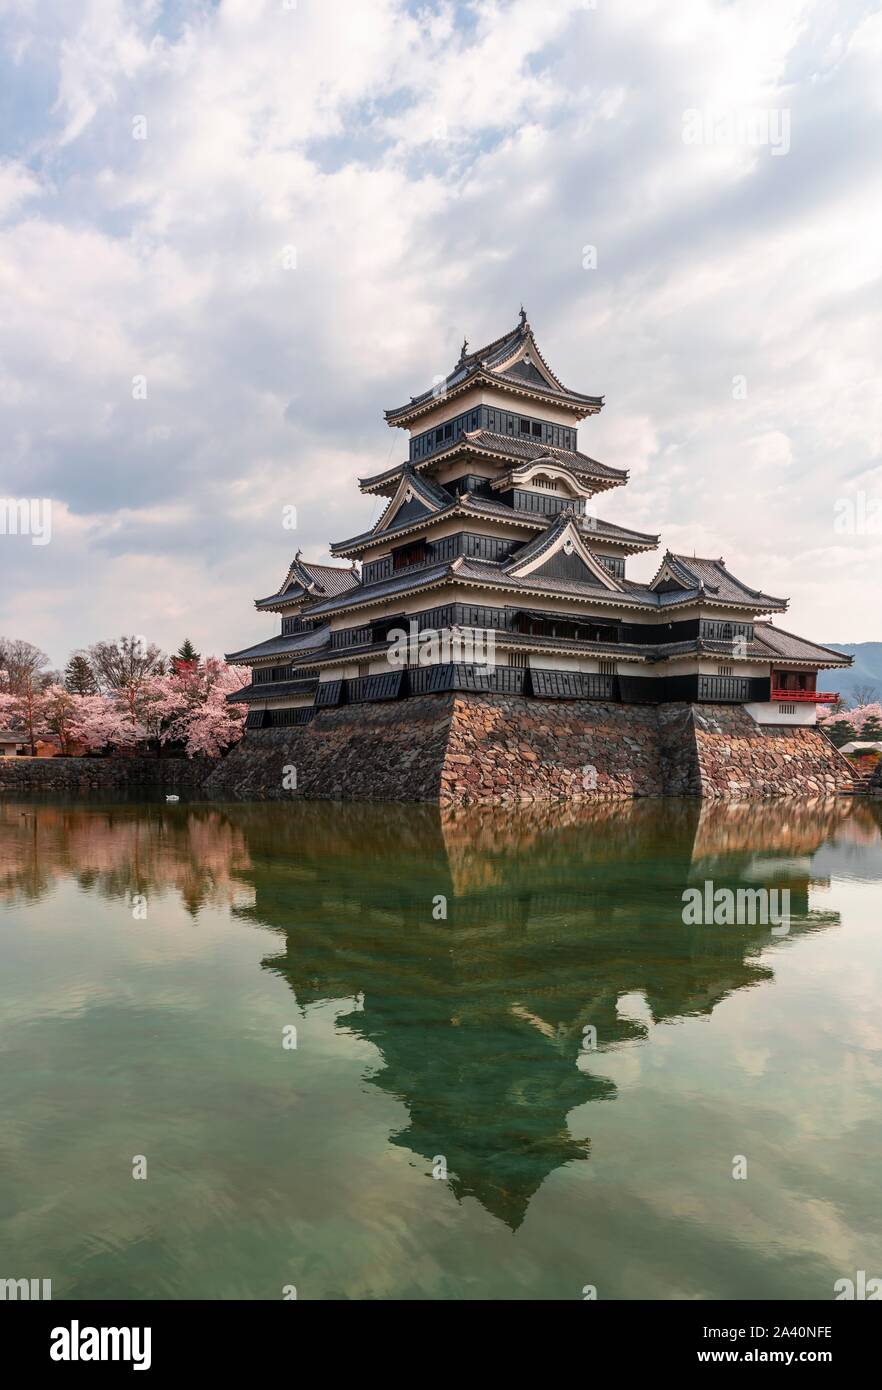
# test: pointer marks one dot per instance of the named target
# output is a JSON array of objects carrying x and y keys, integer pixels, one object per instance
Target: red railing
[{"x": 812, "y": 697}]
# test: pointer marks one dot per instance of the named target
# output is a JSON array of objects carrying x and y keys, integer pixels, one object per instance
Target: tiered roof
[
  {"x": 514, "y": 364},
  {"x": 295, "y": 644},
  {"x": 712, "y": 580},
  {"x": 774, "y": 643},
  {"x": 307, "y": 580},
  {"x": 488, "y": 574},
  {"x": 556, "y": 556},
  {"x": 476, "y": 508},
  {"x": 502, "y": 448}
]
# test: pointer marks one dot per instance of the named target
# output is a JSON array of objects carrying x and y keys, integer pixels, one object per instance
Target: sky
[{"x": 232, "y": 233}]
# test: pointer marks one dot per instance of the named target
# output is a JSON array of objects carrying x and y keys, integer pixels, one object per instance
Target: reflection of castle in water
[{"x": 553, "y": 914}]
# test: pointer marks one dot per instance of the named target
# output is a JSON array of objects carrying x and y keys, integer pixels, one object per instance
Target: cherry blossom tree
[
  {"x": 59, "y": 713},
  {"x": 864, "y": 722},
  {"x": 100, "y": 722},
  {"x": 187, "y": 707},
  {"x": 26, "y": 712},
  {"x": 9, "y": 710},
  {"x": 193, "y": 709}
]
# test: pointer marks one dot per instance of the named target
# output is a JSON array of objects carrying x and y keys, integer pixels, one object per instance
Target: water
[{"x": 424, "y": 1042}]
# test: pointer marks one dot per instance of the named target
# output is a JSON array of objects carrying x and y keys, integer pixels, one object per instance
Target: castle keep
[{"x": 493, "y": 620}]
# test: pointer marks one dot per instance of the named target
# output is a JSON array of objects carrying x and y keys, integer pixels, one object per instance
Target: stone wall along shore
[{"x": 72, "y": 777}]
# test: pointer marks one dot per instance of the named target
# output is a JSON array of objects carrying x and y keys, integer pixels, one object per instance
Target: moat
[{"x": 385, "y": 1051}]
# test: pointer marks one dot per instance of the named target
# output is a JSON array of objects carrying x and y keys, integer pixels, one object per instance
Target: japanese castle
[{"x": 490, "y": 571}]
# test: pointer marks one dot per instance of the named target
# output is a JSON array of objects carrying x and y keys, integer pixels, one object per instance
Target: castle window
[
  {"x": 726, "y": 670},
  {"x": 608, "y": 668},
  {"x": 537, "y": 430},
  {"x": 524, "y": 426},
  {"x": 417, "y": 553},
  {"x": 518, "y": 659}
]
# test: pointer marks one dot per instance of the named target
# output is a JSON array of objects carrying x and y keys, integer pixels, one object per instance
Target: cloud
[{"x": 284, "y": 219}]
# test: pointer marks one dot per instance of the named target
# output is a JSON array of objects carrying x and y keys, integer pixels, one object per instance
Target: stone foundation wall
[
  {"x": 514, "y": 749},
  {"x": 738, "y": 758},
  {"x": 370, "y": 752},
  {"x": 88, "y": 776},
  {"x": 478, "y": 749}
]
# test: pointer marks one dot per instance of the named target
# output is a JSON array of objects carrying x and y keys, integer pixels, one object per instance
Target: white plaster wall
[
  {"x": 449, "y": 407},
  {"x": 804, "y": 715}
]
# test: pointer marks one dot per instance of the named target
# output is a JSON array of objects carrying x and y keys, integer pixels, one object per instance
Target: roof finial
[
  {"x": 297, "y": 556},
  {"x": 523, "y": 317},
  {"x": 465, "y": 350}
]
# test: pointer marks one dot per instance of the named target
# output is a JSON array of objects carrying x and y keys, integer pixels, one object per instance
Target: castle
[{"x": 490, "y": 578}]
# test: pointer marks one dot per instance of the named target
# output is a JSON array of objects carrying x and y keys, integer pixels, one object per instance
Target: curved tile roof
[
  {"x": 508, "y": 448},
  {"x": 488, "y": 362},
  {"x": 306, "y": 579},
  {"x": 471, "y": 504},
  {"x": 714, "y": 580},
  {"x": 294, "y": 644},
  {"x": 775, "y": 642}
]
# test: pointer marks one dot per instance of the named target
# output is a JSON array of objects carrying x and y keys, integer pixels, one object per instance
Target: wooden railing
[{"x": 809, "y": 697}]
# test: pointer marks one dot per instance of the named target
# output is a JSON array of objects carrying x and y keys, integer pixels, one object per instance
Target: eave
[
  {"x": 386, "y": 483},
  {"x": 526, "y": 521},
  {"x": 452, "y": 577},
  {"x": 368, "y": 539},
  {"x": 275, "y": 603},
  {"x": 507, "y": 641},
  {"x": 578, "y": 406},
  {"x": 254, "y": 694}
]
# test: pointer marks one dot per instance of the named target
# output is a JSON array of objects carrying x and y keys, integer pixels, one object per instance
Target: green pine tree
[
  {"x": 79, "y": 677},
  {"x": 187, "y": 652},
  {"x": 839, "y": 732}
]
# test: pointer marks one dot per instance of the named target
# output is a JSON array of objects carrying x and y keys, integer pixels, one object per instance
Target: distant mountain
[{"x": 865, "y": 675}]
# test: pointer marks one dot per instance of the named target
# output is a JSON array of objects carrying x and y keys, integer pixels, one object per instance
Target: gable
[
  {"x": 408, "y": 511},
  {"x": 561, "y": 553},
  {"x": 668, "y": 581},
  {"x": 526, "y": 371},
  {"x": 525, "y": 362},
  {"x": 563, "y": 566},
  {"x": 414, "y": 498}
]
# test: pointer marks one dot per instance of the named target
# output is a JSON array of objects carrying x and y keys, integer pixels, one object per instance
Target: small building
[
  {"x": 489, "y": 570},
  {"x": 11, "y": 743}
]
